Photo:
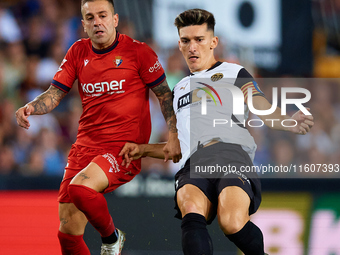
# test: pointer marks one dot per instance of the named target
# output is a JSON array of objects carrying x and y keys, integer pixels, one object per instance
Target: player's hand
[
  {"x": 304, "y": 123},
  {"x": 131, "y": 151},
  {"x": 172, "y": 148},
  {"x": 22, "y": 115}
]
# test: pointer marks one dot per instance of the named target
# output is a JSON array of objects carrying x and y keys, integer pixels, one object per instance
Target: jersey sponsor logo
[
  {"x": 86, "y": 61},
  {"x": 216, "y": 77},
  {"x": 196, "y": 95},
  {"x": 118, "y": 61},
  {"x": 184, "y": 100},
  {"x": 156, "y": 67},
  {"x": 99, "y": 88},
  {"x": 62, "y": 63},
  {"x": 210, "y": 90}
]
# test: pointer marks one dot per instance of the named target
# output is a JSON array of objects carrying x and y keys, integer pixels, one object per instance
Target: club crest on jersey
[
  {"x": 217, "y": 77},
  {"x": 118, "y": 61}
]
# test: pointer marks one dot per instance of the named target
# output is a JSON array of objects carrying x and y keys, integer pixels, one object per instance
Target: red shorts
[{"x": 107, "y": 159}]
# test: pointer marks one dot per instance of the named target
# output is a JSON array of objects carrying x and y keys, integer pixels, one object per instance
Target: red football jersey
[{"x": 114, "y": 88}]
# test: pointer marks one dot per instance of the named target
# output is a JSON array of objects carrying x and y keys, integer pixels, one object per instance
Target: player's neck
[
  {"x": 106, "y": 45},
  {"x": 207, "y": 66},
  {"x": 212, "y": 63}
]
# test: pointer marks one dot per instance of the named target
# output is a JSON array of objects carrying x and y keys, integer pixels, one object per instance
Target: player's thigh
[
  {"x": 93, "y": 177},
  {"x": 72, "y": 220},
  {"x": 233, "y": 209},
  {"x": 191, "y": 199}
]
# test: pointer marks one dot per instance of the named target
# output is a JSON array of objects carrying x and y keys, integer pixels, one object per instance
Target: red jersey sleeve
[
  {"x": 151, "y": 71},
  {"x": 66, "y": 74}
]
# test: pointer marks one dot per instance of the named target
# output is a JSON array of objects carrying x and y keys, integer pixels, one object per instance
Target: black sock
[
  {"x": 195, "y": 237},
  {"x": 249, "y": 239},
  {"x": 111, "y": 239}
]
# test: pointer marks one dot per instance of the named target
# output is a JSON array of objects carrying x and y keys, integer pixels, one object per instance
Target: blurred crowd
[{"x": 34, "y": 37}]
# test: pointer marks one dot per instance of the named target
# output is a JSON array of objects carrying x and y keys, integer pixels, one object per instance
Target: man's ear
[
  {"x": 214, "y": 42},
  {"x": 116, "y": 19},
  {"x": 83, "y": 23}
]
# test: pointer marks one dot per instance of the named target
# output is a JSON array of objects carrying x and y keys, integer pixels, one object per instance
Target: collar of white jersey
[{"x": 218, "y": 63}]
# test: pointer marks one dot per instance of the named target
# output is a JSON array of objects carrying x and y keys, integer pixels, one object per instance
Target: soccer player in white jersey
[{"x": 233, "y": 196}]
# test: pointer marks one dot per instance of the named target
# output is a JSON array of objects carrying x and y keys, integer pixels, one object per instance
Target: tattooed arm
[
  {"x": 164, "y": 95},
  {"x": 42, "y": 104}
]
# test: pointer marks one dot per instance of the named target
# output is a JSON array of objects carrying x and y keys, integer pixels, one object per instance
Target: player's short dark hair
[
  {"x": 85, "y": 1},
  {"x": 195, "y": 17}
]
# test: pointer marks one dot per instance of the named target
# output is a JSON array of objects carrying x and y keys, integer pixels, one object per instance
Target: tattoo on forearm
[
  {"x": 172, "y": 124},
  {"x": 84, "y": 176},
  {"x": 47, "y": 101},
  {"x": 164, "y": 96}
]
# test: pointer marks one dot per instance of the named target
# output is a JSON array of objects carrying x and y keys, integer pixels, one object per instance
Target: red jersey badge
[{"x": 118, "y": 61}]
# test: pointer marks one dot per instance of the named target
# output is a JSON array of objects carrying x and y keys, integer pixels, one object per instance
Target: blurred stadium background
[{"x": 294, "y": 43}]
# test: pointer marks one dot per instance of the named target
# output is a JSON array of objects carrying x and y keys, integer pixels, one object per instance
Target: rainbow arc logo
[{"x": 210, "y": 90}]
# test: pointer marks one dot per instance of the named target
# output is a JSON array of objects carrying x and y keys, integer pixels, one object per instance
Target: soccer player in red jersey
[{"x": 114, "y": 75}]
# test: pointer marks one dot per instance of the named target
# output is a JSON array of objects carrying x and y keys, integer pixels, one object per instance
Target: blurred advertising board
[{"x": 294, "y": 223}]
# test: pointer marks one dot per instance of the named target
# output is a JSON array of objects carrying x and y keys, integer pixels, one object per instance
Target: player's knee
[
  {"x": 72, "y": 221},
  {"x": 190, "y": 207},
  {"x": 231, "y": 223},
  {"x": 64, "y": 237},
  {"x": 74, "y": 192},
  {"x": 79, "y": 193}
]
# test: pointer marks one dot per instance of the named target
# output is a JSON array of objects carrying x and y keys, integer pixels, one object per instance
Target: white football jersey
[{"x": 203, "y": 104}]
